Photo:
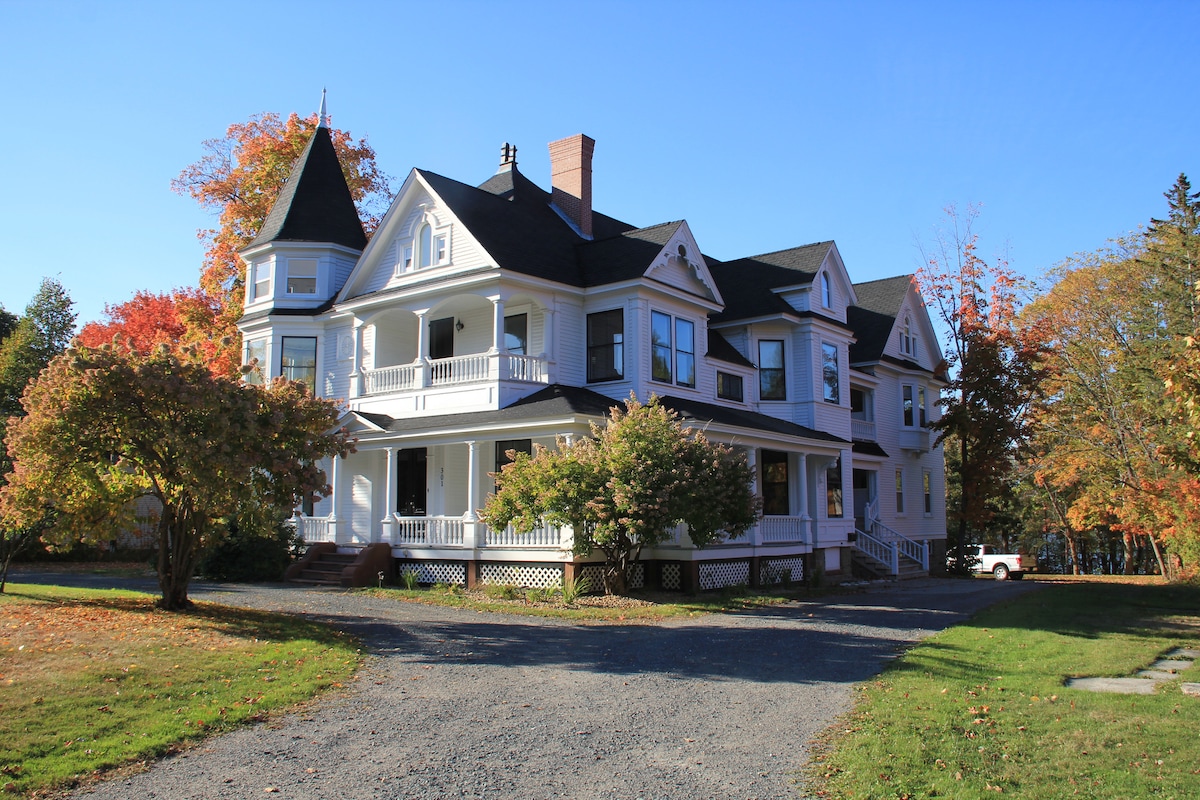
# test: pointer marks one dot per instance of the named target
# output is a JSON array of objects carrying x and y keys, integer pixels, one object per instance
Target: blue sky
[{"x": 764, "y": 124}]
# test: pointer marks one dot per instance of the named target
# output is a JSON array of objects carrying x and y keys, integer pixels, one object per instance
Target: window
[
  {"x": 860, "y": 407},
  {"x": 685, "y": 352},
  {"x": 299, "y": 360},
  {"x": 407, "y": 261},
  {"x": 772, "y": 378},
  {"x": 833, "y": 490},
  {"x": 899, "y": 491},
  {"x": 431, "y": 248},
  {"x": 516, "y": 334},
  {"x": 504, "y": 445},
  {"x": 256, "y": 357},
  {"x": 729, "y": 387},
  {"x": 660, "y": 346},
  {"x": 605, "y": 345},
  {"x": 665, "y": 352},
  {"x": 914, "y": 412},
  {"x": 302, "y": 276},
  {"x": 826, "y": 290},
  {"x": 829, "y": 359},
  {"x": 906, "y": 338},
  {"x": 262, "y": 281},
  {"x": 775, "y": 483},
  {"x": 925, "y": 485}
]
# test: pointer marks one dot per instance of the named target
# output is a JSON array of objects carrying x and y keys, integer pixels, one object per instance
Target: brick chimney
[{"x": 571, "y": 179}]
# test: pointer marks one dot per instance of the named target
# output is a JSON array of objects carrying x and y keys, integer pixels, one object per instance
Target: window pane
[
  {"x": 660, "y": 346},
  {"x": 775, "y": 483},
  {"x": 302, "y": 276},
  {"x": 921, "y": 404},
  {"x": 256, "y": 355},
  {"x": 299, "y": 360},
  {"x": 899, "y": 492},
  {"x": 829, "y": 355},
  {"x": 505, "y": 445},
  {"x": 262, "y": 281},
  {"x": 685, "y": 353},
  {"x": 928, "y": 494},
  {"x": 772, "y": 378},
  {"x": 606, "y": 335},
  {"x": 729, "y": 387},
  {"x": 425, "y": 246},
  {"x": 908, "y": 406},
  {"x": 516, "y": 333},
  {"x": 439, "y": 249},
  {"x": 833, "y": 491}
]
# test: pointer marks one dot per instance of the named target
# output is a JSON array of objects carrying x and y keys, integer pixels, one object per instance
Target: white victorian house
[{"x": 482, "y": 319}]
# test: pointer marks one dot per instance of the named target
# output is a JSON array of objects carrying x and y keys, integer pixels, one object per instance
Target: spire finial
[{"x": 322, "y": 115}]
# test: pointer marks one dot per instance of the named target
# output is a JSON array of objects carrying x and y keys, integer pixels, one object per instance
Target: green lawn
[
  {"x": 982, "y": 710},
  {"x": 93, "y": 680}
]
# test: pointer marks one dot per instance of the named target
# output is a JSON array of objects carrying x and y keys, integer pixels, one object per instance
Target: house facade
[{"x": 482, "y": 319}]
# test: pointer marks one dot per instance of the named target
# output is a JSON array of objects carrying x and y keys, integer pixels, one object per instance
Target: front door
[
  {"x": 411, "y": 482},
  {"x": 864, "y": 495},
  {"x": 441, "y": 338}
]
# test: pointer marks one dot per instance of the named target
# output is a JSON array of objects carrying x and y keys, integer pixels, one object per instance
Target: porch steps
[
  {"x": 325, "y": 569},
  {"x": 865, "y": 563}
]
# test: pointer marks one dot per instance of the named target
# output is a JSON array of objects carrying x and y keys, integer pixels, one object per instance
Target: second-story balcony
[
  {"x": 454, "y": 371},
  {"x": 862, "y": 430}
]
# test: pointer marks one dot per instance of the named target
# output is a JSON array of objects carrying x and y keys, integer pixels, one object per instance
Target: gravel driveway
[{"x": 458, "y": 704}]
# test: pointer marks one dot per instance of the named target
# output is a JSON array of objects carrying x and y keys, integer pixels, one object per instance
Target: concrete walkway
[{"x": 1145, "y": 681}]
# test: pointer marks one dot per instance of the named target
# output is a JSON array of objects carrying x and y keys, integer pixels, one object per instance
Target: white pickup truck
[{"x": 1002, "y": 566}]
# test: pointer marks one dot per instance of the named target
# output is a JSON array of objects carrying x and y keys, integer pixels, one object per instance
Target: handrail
[
  {"x": 910, "y": 549},
  {"x": 881, "y": 551}
]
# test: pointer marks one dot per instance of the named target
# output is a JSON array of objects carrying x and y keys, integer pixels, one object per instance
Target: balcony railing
[
  {"x": 862, "y": 429},
  {"x": 473, "y": 368}
]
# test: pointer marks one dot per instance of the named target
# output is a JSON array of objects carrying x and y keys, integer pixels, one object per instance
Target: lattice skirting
[
  {"x": 635, "y": 576},
  {"x": 672, "y": 576},
  {"x": 780, "y": 570},
  {"x": 527, "y": 576},
  {"x": 451, "y": 573},
  {"x": 718, "y": 574}
]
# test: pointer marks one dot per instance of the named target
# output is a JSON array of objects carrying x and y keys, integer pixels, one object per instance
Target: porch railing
[
  {"x": 390, "y": 379},
  {"x": 459, "y": 369},
  {"x": 313, "y": 529},
  {"x": 542, "y": 536},
  {"x": 862, "y": 429},
  {"x": 474, "y": 368},
  {"x": 783, "y": 529},
  {"x": 429, "y": 531}
]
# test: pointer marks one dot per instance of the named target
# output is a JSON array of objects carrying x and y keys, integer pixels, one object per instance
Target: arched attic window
[{"x": 826, "y": 290}]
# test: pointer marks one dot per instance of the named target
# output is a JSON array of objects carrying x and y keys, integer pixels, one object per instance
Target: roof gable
[
  {"x": 748, "y": 284},
  {"x": 878, "y": 316}
]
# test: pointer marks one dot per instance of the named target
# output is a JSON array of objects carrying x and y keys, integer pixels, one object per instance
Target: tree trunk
[
  {"x": 1072, "y": 552},
  {"x": 176, "y": 557}
]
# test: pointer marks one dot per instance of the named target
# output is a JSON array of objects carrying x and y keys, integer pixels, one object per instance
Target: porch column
[
  {"x": 549, "y": 341},
  {"x": 422, "y": 376},
  {"x": 805, "y": 519},
  {"x": 498, "y": 325},
  {"x": 334, "y": 476},
  {"x": 389, "y": 499},
  {"x": 472, "y": 527},
  {"x": 752, "y": 462},
  {"x": 356, "y": 368},
  {"x": 498, "y": 339}
]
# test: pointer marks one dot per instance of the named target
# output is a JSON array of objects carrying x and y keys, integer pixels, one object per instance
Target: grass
[
  {"x": 637, "y": 607},
  {"x": 94, "y": 680},
  {"x": 982, "y": 709}
]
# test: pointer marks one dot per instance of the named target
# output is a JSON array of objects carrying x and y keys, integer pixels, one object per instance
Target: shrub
[{"x": 251, "y": 553}]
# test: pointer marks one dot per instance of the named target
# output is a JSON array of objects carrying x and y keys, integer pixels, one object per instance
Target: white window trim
[
  {"x": 409, "y": 248},
  {"x": 837, "y": 354}
]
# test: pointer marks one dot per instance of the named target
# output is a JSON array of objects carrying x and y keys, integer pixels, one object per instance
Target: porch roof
[{"x": 722, "y": 415}]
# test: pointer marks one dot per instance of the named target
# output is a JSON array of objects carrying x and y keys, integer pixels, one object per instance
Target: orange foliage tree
[
  {"x": 993, "y": 374},
  {"x": 239, "y": 177}
]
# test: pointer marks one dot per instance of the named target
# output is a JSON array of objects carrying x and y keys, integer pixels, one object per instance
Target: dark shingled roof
[
  {"x": 511, "y": 217},
  {"x": 720, "y": 349},
  {"x": 708, "y": 412},
  {"x": 746, "y": 283},
  {"x": 315, "y": 204},
  {"x": 623, "y": 257},
  {"x": 869, "y": 449},
  {"x": 874, "y": 317}
]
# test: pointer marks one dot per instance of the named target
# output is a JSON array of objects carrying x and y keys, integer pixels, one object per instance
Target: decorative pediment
[{"x": 679, "y": 264}]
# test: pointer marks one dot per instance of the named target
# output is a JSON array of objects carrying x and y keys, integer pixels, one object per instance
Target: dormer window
[
  {"x": 826, "y": 290},
  {"x": 908, "y": 342},
  {"x": 261, "y": 286},
  {"x": 302, "y": 276},
  {"x": 429, "y": 248}
]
